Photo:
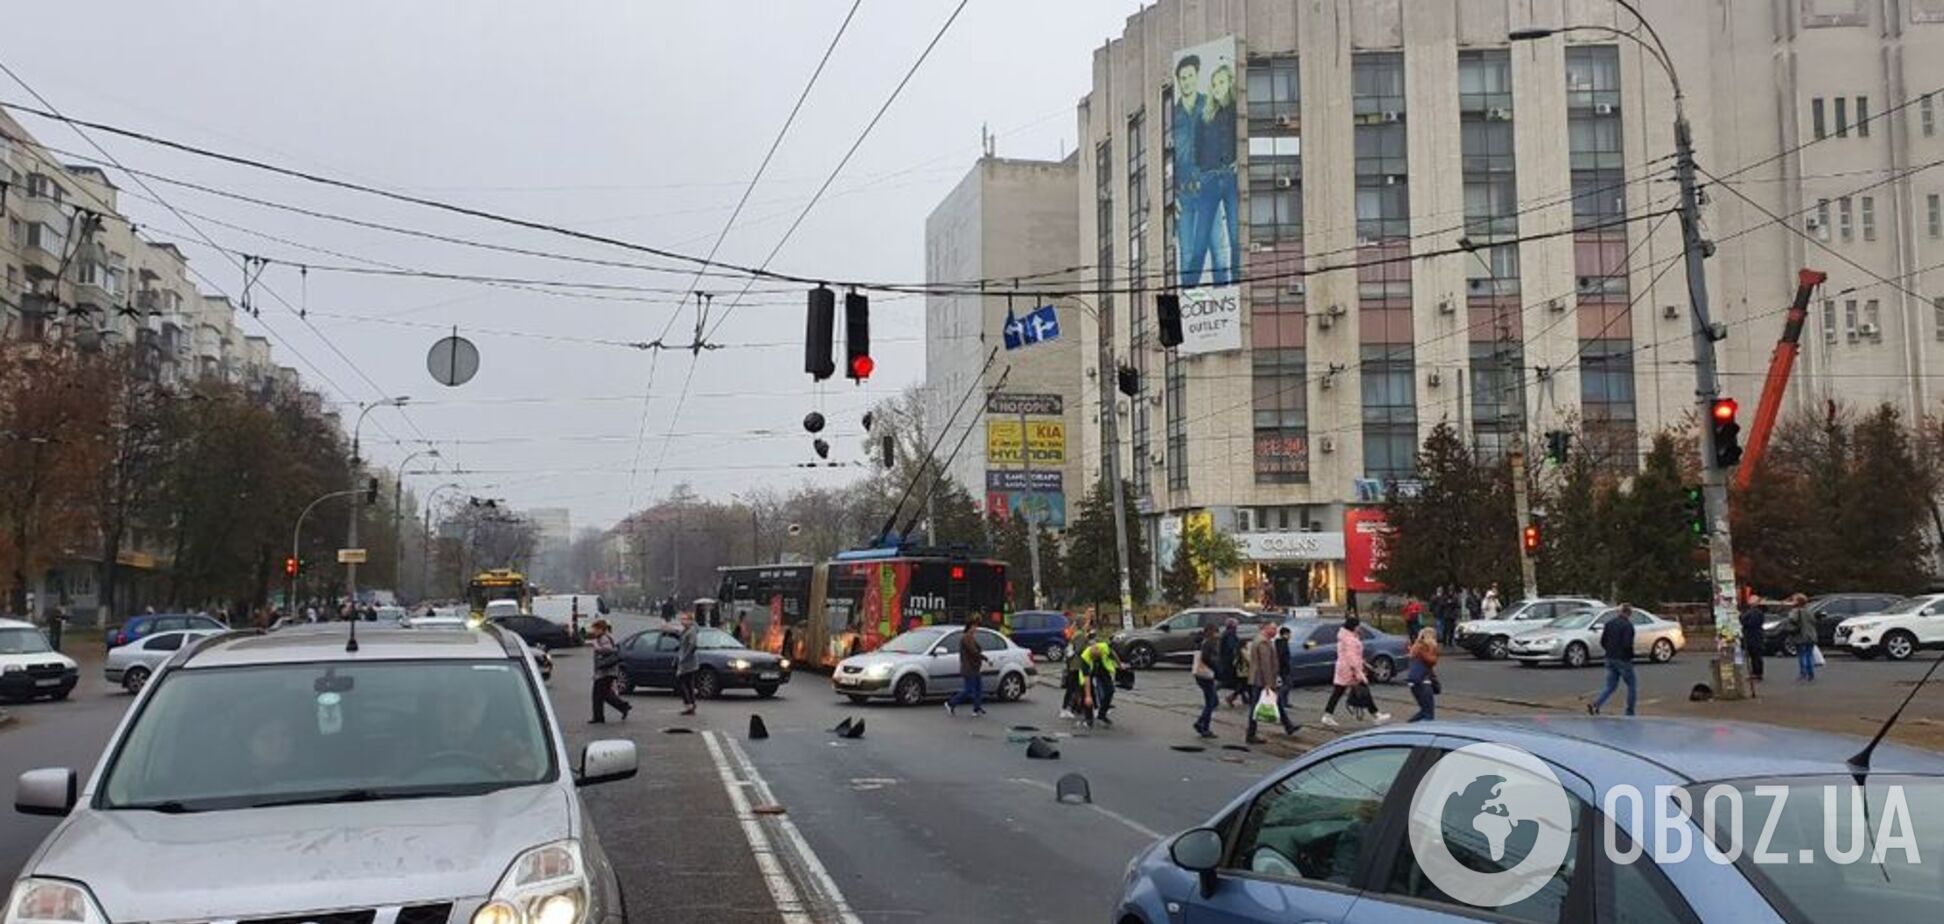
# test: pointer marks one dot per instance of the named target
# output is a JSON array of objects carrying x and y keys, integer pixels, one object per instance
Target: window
[
  {"x": 170, "y": 641},
  {"x": 1863, "y": 117},
  {"x": 1869, "y": 218},
  {"x": 990, "y": 640},
  {"x": 1281, "y": 424},
  {"x": 1816, "y": 118},
  {"x": 1843, "y": 218},
  {"x": 1389, "y": 411},
  {"x": 1486, "y": 143},
  {"x": 1322, "y": 635},
  {"x": 1497, "y": 395},
  {"x": 1552, "y": 903},
  {"x": 1842, "y": 117},
  {"x": 1637, "y": 892},
  {"x": 1592, "y": 77},
  {"x": 1937, "y": 318},
  {"x": 1870, "y": 320},
  {"x": 1932, "y": 206},
  {"x": 666, "y": 642},
  {"x": 1275, "y": 93},
  {"x": 1822, "y": 219},
  {"x": 1176, "y": 391},
  {"x": 1312, "y": 826},
  {"x": 1607, "y": 403},
  {"x": 1927, "y": 114},
  {"x": 1849, "y": 319},
  {"x": 1380, "y": 146},
  {"x": 1829, "y": 320}
]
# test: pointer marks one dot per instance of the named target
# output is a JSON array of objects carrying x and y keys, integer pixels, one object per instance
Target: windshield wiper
[
  {"x": 346, "y": 795},
  {"x": 166, "y": 807}
]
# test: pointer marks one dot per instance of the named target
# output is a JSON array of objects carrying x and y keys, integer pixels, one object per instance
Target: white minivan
[{"x": 574, "y": 611}]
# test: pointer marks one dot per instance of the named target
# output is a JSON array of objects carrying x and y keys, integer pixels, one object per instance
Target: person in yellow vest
[{"x": 1098, "y": 667}]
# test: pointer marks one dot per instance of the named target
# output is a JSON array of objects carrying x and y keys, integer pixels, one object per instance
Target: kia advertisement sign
[{"x": 1364, "y": 533}]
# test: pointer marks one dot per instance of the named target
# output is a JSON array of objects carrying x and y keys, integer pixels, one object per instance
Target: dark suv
[
  {"x": 1175, "y": 638},
  {"x": 1829, "y": 609}
]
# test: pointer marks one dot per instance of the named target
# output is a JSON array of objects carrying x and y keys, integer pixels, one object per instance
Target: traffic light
[
  {"x": 1167, "y": 313},
  {"x": 1727, "y": 433},
  {"x": 890, "y": 451},
  {"x": 858, "y": 364},
  {"x": 822, "y": 324},
  {"x": 1128, "y": 379},
  {"x": 1697, "y": 513},
  {"x": 1558, "y": 444},
  {"x": 371, "y": 492},
  {"x": 290, "y": 566},
  {"x": 1529, "y": 539}
]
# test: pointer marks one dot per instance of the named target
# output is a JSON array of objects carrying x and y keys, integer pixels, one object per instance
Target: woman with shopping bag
[
  {"x": 1264, "y": 679},
  {"x": 1423, "y": 676},
  {"x": 1350, "y": 678}
]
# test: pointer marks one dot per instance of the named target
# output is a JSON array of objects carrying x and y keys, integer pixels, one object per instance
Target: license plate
[
  {"x": 55, "y": 682},
  {"x": 846, "y": 681},
  {"x": 770, "y": 675}
]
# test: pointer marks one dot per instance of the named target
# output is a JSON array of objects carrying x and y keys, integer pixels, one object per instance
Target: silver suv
[{"x": 406, "y": 776}]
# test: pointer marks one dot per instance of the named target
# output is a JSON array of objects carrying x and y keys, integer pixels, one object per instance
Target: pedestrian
[
  {"x": 1423, "y": 675},
  {"x": 1206, "y": 654},
  {"x": 1264, "y": 677},
  {"x": 1802, "y": 626},
  {"x": 1350, "y": 678},
  {"x": 1073, "y": 694},
  {"x": 1488, "y": 608},
  {"x": 1754, "y": 637},
  {"x": 742, "y": 630},
  {"x": 1413, "y": 616},
  {"x": 1617, "y": 643},
  {"x": 1099, "y": 667},
  {"x": 668, "y": 609},
  {"x": 1230, "y": 656},
  {"x": 607, "y": 670},
  {"x": 1446, "y": 611},
  {"x": 1474, "y": 604},
  {"x": 971, "y": 663},
  {"x": 1282, "y": 669},
  {"x": 687, "y": 664}
]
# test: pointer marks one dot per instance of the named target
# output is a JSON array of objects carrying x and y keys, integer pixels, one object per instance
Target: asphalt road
[{"x": 69, "y": 733}]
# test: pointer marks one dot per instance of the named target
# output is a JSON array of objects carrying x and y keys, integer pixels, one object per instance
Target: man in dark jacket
[
  {"x": 1753, "y": 635},
  {"x": 971, "y": 662},
  {"x": 1282, "y": 669},
  {"x": 1617, "y": 642},
  {"x": 1226, "y": 675}
]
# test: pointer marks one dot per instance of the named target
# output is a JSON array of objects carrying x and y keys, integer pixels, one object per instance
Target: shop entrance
[{"x": 1295, "y": 584}]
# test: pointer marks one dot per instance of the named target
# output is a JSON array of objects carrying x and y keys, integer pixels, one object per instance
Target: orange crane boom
[{"x": 1781, "y": 363}]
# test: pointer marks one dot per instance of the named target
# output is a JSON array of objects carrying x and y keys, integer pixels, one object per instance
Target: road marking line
[
  {"x": 774, "y": 876},
  {"x": 806, "y": 859},
  {"x": 1133, "y": 825}
]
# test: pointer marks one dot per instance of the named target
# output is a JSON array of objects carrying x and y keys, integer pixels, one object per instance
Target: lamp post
[
  {"x": 296, "y": 542},
  {"x": 398, "y": 503},
  {"x": 425, "y": 540},
  {"x": 1714, "y": 479},
  {"x": 1110, "y": 452},
  {"x": 357, "y": 503}
]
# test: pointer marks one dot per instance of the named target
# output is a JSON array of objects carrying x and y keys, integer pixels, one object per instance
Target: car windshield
[
  {"x": 916, "y": 642},
  {"x": 715, "y": 639},
  {"x": 1907, "y": 607},
  {"x": 22, "y": 641},
  {"x": 1579, "y": 620},
  {"x": 330, "y": 733},
  {"x": 1896, "y": 824}
]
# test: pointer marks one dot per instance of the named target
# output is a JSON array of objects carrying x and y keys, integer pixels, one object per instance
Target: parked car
[
  {"x": 137, "y": 626},
  {"x": 1575, "y": 640},
  {"x": 540, "y": 633},
  {"x": 1174, "y": 639},
  {"x": 1829, "y": 610},
  {"x": 389, "y": 615},
  {"x": 501, "y": 608},
  {"x": 1896, "y": 633},
  {"x": 438, "y": 620},
  {"x": 1313, "y": 648},
  {"x": 434, "y": 765},
  {"x": 132, "y": 665},
  {"x": 573, "y": 611},
  {"x": 1491, "y": 638},
  {"x": 1042, "y": 632},
  {"x": 30, "y": 667},
  {"x": 1325, "y": 838},
  {"x": 648, "y": 660},
  {"x": 924, "y": 663}
]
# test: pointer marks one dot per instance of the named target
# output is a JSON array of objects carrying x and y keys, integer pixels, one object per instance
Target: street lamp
[
  {"x": 357, "y": 501},
  {"x": 398, "y": 511},
  {"x": 425, "y": 539},
  {"x": 1714, "y": 478}
]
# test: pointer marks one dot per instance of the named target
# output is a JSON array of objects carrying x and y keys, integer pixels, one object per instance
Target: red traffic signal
[
  {"x": 1724, "y": 409},
  {"x": 1727, "y": 433},
  {"x": 958, "y": 572},
  {"x": 290, "y": 566},
  {"x": 1530, "y": 539},
  {"x": 861, "y": 367}
]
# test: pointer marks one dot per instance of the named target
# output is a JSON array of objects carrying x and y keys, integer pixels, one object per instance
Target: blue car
[
  {"x": 1042, "y": 632},
  {"x": 1313, "y": 645},
  {"x": 1324, "y": 838},
  {"x": 149, "y": 623}
]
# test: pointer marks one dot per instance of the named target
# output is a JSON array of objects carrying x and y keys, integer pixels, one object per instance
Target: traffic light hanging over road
[
  {"x": 1167, "y": 316},
  {"x": 1727, "y": 433},
  {"x": 858, "y": 363},
  {"x": 817, "y": 336}
]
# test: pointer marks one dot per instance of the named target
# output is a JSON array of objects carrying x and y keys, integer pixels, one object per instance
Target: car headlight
[
  {"x": 1771, "y": 625},
  {"x": 739, "y": 664},
  {"x": 12, "y": 668},
  {"x": 51, "y": 901},
  {"x": 1860, "y": 626},
  {"x": 878, "y": 671},
  {"x": 545, "y": 885},
  {"x": 784, "y": 664}
]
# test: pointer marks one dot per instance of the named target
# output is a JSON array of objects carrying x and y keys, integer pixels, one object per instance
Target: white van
[{"x": 573, "y": 611}]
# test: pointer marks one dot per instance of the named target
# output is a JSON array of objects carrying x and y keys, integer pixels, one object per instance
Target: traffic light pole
[
  {"x": 1522, "y": 505},
  {"x": 296, "y": 543}
]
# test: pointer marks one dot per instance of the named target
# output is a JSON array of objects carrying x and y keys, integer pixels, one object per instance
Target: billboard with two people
[{"x": 1208, "y": 242}]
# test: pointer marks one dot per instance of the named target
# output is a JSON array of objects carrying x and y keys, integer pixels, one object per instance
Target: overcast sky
[{"x": 637, "y": 120}]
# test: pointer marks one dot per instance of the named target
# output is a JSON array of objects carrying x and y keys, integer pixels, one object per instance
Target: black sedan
[
  {"x": 1829, "y": 609},
  {"x": 648, "y": 660},
  {"x": 538, "y": 633}
]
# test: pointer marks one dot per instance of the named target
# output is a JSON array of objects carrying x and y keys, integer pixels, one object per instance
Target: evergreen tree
[
  {"x": 1458, "y": 529},
  {"x": 956, "y": 519},
  {"x": 1659, "y": 561},
  {"x": 1181, "y": 583},
  {"x": 1092, "y": 568},
  {"x": 1573, "y": 557},
  {"x": 1883, "y": 539}
]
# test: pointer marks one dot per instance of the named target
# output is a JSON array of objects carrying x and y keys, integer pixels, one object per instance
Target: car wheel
[
  {"x": 1012, "y": 687},
  {"x": 1576, "y": 655},
  {"x": 624, "y": 681},
  {"x": 1055, "y": 652},
  {"x": 1141, "y": 656},
  {"x": 134, "y": 678},
  {"x": 765, "y": 690},
  {"x": 1382, "y": 669},
  {"x": 910, "y": 691},
  {"x": 707, "y": 684},
  {"x": 1663, "y": 651},
  {"x": 1498, "y": 649},
  {"x": 1899, "y": 645},
  {"x": 859, "y": 700}
]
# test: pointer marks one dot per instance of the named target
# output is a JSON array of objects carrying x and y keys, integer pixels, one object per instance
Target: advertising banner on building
[
  {"x": 1208, "y": 243},
  {"x": 1045, "y": 442},
  {"x": 1286, "y": 545},
  {"x": 1364, "y": 534},
  {"x": 1167, "y": 540},
  {"x": 1010, "y": 404},
  {"x": 1012, "y": 479},
  {"x": 1282, "y": 453},
  {"x": 1040, "y": 509}
]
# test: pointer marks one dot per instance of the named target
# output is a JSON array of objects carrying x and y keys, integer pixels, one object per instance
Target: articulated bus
[{"x": 820, "y": 614}]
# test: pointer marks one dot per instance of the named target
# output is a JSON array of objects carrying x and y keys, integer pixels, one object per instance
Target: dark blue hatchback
[
  {"x": 149, "y": 623},
  {"x": 1042, "y": 632}
]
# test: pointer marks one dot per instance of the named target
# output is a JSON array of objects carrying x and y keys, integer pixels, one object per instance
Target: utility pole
[
  {"x": 1714, "y": 479},
  {"x": 1110, "y": 448},
  {"x": 1026, "y": 509},
  {"x": 1522, "y": 504}
]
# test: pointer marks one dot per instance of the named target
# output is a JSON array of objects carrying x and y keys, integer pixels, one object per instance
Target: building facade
[{"x": 1411, "y": 219}]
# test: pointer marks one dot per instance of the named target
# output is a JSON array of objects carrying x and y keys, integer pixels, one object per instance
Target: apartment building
[{"x": 1416, "y": 220}]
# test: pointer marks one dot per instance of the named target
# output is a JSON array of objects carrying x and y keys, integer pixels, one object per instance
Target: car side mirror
[
  {"x": 48, "y": 791},
  {"x": 1199, "y": 851},
  {"x": 607, "y": 761},
  {"x": 1165, "y": 627}
]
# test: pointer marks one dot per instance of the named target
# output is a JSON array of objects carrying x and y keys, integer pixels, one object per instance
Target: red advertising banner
[{"x": 1364, "y": 532}]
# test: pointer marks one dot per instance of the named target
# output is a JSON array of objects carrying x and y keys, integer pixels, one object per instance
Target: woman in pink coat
[{"x": 1350, "y": 677}]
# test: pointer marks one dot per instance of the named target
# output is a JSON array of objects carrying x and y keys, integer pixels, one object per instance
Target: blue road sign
[{"x": 1038, "y": 326}]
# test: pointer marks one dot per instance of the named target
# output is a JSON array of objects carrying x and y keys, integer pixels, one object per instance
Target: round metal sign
[{"x": 453, "y": 361}]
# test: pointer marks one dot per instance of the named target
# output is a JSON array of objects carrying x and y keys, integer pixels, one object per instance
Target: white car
[
  {"x": 438, "y": 620},
  {"x": 1491, "y": 638},
  {"x": 502, "y": 608},
  {"x": 1897, "y": 632},
  {"x": 30, "y": 667},
  {"x": 924, "y": 663},
  {"x": 1575, "y": 640},
  {"x": 132, "y": 665}
]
